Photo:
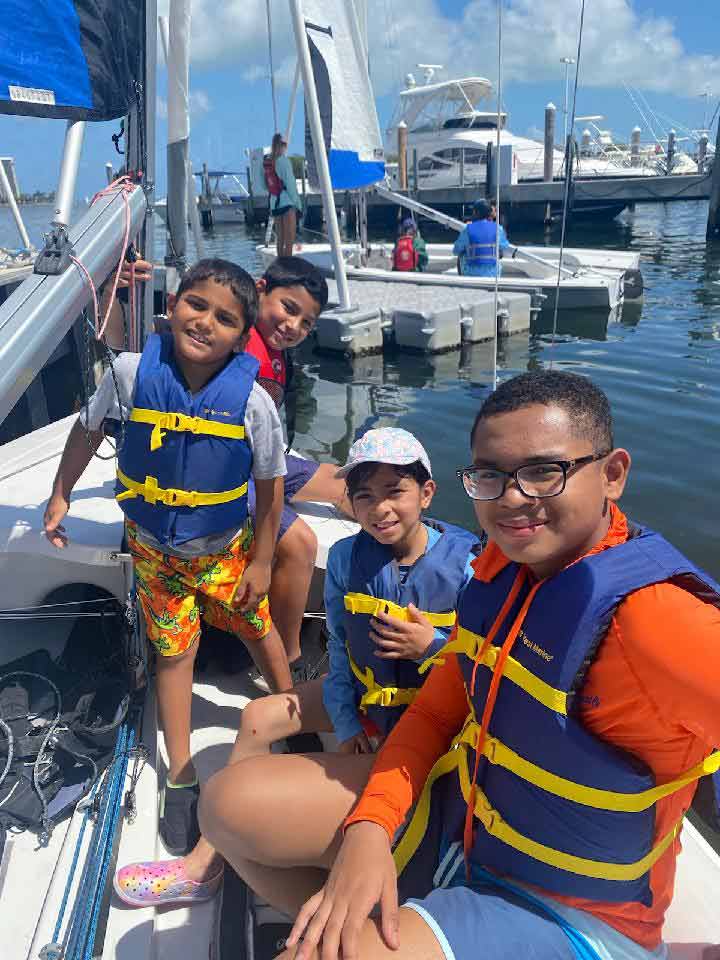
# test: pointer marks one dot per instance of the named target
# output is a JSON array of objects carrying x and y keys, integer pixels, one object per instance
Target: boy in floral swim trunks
[{"x": 197, "y": 427}]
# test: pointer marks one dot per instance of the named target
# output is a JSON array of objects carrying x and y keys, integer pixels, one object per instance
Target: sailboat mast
[{"x": 323, "y": 169}]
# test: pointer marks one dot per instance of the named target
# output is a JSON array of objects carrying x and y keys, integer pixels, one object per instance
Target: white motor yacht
[{"x": 448, "y": 136}]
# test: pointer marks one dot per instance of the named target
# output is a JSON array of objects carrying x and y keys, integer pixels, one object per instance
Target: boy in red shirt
[{"x": 293, "y": 293}]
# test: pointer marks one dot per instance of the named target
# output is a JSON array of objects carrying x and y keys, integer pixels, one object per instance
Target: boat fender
[{"x": 633, "y": 284}]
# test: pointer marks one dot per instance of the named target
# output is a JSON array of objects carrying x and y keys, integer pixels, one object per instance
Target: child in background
[
  {"x": 390, "y": 596},
  {"x": 184, "y": 495}
]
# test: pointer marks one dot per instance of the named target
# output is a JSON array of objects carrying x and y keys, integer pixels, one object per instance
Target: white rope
[
  {"x": 568, "y": 179},
  {"x": 496, "y": 160}
]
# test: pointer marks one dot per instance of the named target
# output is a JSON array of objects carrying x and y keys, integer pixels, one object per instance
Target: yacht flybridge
[{"x": 448, "y": 135}]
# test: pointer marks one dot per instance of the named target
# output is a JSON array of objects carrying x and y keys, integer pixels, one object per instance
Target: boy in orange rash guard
[{"x": 650, "y": 691}]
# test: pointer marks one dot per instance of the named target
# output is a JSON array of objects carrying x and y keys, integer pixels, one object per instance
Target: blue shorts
[
  {"x": 490, "y": 923},
  {"x": 299, "y": 472}
]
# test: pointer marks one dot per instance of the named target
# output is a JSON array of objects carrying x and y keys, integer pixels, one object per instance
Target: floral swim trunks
[{"x": 175, "y": 593}]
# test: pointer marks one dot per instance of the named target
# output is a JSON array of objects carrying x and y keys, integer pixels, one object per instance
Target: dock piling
[
  {"x": 672, "y": 139},
  {"x": 550, "y": 112},
  {"x": 635, "y": 147},
  {"x": 402, "y": 133},
  {"x": 702, "y": 152},
  {"x": 713, "y": 224},
  {"x": 548, "y": 166}
]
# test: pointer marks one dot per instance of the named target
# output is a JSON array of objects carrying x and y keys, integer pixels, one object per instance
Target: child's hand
[
  {"x": 254, "y": 586},
  {"x": 143, "y": 272},
  {"x": 357, "y": 744},
  {"x": 55, "y": 512},
  {"x": 401, "y": 639}
]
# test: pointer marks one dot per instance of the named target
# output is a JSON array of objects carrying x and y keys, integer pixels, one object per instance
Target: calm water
[{"x": 660, "y": 367}]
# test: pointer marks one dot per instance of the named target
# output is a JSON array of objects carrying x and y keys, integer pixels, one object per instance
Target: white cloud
[
  {"x": 199, "y": 103},
  {"x": 620, "y": 44}
]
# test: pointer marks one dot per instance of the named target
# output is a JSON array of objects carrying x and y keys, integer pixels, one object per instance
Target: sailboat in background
[{"x": 333, "y": 63}]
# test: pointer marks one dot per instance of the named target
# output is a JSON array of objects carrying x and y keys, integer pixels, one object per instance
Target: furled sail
[
  {"x": 347, "y": 107},
  {"x": 70, "y": 59}
]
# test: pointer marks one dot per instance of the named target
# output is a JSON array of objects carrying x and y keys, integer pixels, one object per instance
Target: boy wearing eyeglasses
[{"x": 557, "y": 744}]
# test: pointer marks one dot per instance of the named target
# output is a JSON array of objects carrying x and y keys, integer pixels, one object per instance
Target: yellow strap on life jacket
[
  {"x": 363, "y": 603},
  {"x": 377, "y": 696},
  {"x": 161, "y": 422},
  {"x": 496, "y": 752},
  {"x": 152, "y": 493},
  {"x": 469, "y": 643}
]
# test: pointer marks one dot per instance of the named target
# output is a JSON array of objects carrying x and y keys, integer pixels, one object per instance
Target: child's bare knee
[
  {"x": 256, "y": 720},
  {"x": 299, "y": 545}
]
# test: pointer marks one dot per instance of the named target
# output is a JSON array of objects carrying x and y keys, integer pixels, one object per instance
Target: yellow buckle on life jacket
[
  {"x": 496, "y": 752},
  {"x": 162, "y": 422},
  {"x": 468, "y": 643},
  {"x": 171, "y": 497},
  {"x": 363, "y": 603},
  {"x": 377, "y": 696}
]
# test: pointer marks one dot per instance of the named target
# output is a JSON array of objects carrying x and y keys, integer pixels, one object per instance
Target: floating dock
[{"x": 527, "y": 202}]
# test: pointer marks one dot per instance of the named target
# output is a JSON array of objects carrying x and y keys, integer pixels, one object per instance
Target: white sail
[{"x": 347, "y": 107}]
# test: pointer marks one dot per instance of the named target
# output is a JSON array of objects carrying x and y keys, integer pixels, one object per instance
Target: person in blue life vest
[
  {"x": 410, "y": 253},
  {"x": 390, "y": 596},
  {"x": 564, "y": 732},
  {"x": 193, "y": 427},
  {"x": 475, "y": 246}
]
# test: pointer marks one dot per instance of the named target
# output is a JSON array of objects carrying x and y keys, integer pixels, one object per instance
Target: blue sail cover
[
  {"x": 70, "y": 59},
  {"x": 347, "y": 107}
]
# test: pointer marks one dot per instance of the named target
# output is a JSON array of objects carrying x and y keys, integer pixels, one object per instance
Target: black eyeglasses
[{"x": 536, "y": 480}]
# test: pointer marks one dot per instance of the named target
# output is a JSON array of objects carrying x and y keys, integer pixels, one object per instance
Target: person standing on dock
[
  {"x": 475, "y": 247},
  {"x": 284, "y": 200},
  {"x": 410, "y": 253}
]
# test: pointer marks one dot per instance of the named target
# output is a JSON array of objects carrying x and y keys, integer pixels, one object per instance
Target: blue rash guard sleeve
[{"x": 339, "y": 697}]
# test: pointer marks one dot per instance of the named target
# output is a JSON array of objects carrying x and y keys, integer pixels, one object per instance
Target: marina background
[{"x": 660, "y": 366}]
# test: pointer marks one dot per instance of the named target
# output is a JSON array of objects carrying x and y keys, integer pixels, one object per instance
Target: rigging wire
[
  {"x": 272, "y": 68},
  {"x": 496, "y": 161},
  {"x": 568, "y": 180}
]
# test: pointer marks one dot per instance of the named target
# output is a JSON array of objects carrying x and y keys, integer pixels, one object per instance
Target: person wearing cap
[
  {"x": 477, "y": 244},
  {"x": 410, "y": 252},
  {"x": 390, "y": 596},
  {"x": 284, "y": 200}
]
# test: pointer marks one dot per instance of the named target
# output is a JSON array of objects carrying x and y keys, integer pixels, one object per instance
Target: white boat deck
[{"x": 590, "y": 289}]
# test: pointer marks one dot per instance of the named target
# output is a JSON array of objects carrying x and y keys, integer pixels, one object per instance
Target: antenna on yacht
[{"x": 429, "y": 69}]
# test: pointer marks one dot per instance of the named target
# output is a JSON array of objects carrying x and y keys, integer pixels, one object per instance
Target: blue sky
[{"x": 673, "y": 58}]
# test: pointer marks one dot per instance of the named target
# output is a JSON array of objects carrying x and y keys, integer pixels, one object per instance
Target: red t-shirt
[{"x": 273, "y": 369}]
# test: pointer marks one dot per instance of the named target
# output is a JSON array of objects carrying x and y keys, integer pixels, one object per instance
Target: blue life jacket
[
  {"x": 539, "y": 817},
  {"x": 482, "y": 235},
  {"x": 385, "y": 687},
  {"x": 184, "y": 465}
]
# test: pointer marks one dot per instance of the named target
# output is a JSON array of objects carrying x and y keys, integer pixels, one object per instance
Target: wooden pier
[{"x": 527, "y": 202}]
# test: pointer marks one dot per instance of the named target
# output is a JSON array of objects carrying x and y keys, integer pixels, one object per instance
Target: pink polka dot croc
[{"x": 161, "y": 882}]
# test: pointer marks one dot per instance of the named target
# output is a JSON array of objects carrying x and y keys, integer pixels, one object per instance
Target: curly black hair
[
  {"x": 586, "y": 405},
  {"x": 228, "y": 274}
]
